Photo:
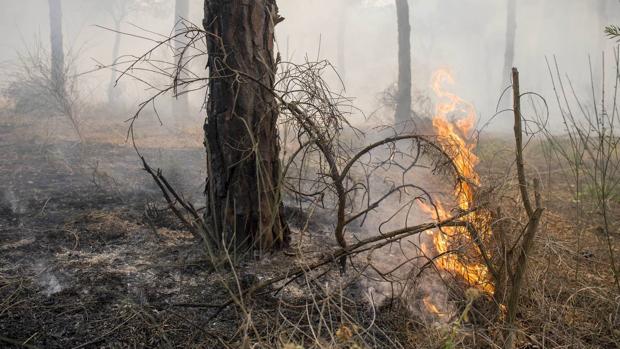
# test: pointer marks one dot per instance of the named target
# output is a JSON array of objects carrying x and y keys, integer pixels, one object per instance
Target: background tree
[
  {"x": 511, "y": 30},
  {"x": 181, "y": 13},
  {"x": 343, "y": 19},
  {"x": 119, "y": 10},
  {"x": 244, "y": 208},
  {"x": 403, "y": 98},
  {"x": 58, "y": 55},
  {"x": 603, "y": 16}
]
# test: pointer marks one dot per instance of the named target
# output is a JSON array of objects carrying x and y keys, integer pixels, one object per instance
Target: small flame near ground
[
  {"x": 433, "y": 307},
  {"x": 453, "y": 122}
]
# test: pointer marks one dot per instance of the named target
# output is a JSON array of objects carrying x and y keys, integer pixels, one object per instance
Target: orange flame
[
  {"x": 452, "y": 137},
  {"x": 432, "y": 308}
]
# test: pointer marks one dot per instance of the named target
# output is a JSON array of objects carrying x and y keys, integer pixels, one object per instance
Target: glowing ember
[
  {"x": 452, "y": 137},
  {"x": 431, "y": 307}
]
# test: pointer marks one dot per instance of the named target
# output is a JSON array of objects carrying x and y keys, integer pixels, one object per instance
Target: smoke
[
  {"x": 50, "y": 284},
  {"x": 14, "y": 203},
  {"x": 466, "y": 36},
  {"x": 47, "y": 280}
]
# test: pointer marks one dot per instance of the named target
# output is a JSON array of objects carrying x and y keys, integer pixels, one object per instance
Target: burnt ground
[
  {"x": 90, "y": 259},
  {"x": 87, "y": 258}
]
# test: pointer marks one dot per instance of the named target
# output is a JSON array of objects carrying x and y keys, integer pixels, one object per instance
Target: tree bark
[
  {"x": 244, "y": 207},
  {"x": 57, "y": 74},
  {"x": 181, "y": 12},
  {"x": 511, "y": 30},
  {"x": 403, "y": 99}
]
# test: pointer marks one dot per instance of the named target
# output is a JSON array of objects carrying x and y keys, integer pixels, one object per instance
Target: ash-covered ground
[
  {"x": 91, "y": 257},
  {"x": 88, "y": 255}
]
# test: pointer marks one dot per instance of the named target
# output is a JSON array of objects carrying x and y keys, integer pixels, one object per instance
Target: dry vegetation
[
  {"x": 92, "y": 255},
  {"x": 129, "y": 276}
]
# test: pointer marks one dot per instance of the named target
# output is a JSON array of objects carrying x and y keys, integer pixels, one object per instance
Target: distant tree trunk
[
  {"x": 112, "y": 92},
  {"x": 511, "y": 30},
  {"x": 58, "y": 56},
  {"x": 602, "y": 17},
  {"x": 181, "y": 12},
  {"x": 244, "y": 208},
  {"x": 342, "y": 33},
  {"x": 403, "y": 99}
]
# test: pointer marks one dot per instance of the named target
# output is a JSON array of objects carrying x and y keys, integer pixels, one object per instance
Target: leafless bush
[
  {"x": 323, "y": 170},
  {"x": 568, "y": 256},
  {"x": 421, "y": 103},
  {"x": 31, "y": 90},
  {"x": 590, "y": 147}
]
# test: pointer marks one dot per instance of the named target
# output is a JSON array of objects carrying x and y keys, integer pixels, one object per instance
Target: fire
[
  {"x": 453, "y": 139},
  {"x": 432, "y": 308}
]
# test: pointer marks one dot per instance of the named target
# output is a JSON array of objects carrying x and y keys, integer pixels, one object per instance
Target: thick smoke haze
[
  {"x": 309, "y": 180},
  {"x": 468, "y": 37}
]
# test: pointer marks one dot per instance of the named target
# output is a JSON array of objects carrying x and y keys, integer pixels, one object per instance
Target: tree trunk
[
  {"x": 244, "y": 207},
  {"x": 342, "y": 31},
  {"x": 602, "y": 19},
  {"x": 511, "y": 30},
  {"x": 181, "y": 12},
  {"x": 112, "y": 92},
  {"x": 58, "y": 57},
  {"x": 599, "y": 45},
  {"x": 403, "y": 99}
]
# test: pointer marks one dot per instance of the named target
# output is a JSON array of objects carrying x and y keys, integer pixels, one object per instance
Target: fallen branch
[
  {"x": 338, "y": 255},
  {"x": 168, "y": 192}
]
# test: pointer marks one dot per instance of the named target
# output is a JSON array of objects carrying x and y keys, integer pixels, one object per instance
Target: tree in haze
[
  {"x": 118, "y": 10},
  {"x": 244, "y": 208},
  {"x": 604, "y": 11},
  {"x": 403, "y": 97},
  {"x": 57, "y": 69},
  {"x": 343, "y": 19},
  {"x": 181, "y": 13},
  {"x": 511, "y": 30},
  {"x": 602, "y": 15}
]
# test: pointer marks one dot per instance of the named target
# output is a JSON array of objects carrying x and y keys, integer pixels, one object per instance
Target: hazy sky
[{"x": 466, "y": 36}]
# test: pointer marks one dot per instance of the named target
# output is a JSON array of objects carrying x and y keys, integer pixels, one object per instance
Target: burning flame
[
  {"x": 433, "y": 308},
  {"x": 453, "y": 139}
]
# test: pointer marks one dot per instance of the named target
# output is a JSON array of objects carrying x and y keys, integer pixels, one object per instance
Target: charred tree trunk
[
  {"x": 57, "y": 69},
  {"x": 244, "y": 207},
  {"x": 511, "y": 30},
  {"x": 403, "y": 98},
  {"x": 181, "y": 12}
]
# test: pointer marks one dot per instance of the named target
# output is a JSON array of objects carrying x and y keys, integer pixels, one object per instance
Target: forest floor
[
  {"x": 88, "y": 257},
  {"x": 80, "y": 257}
]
